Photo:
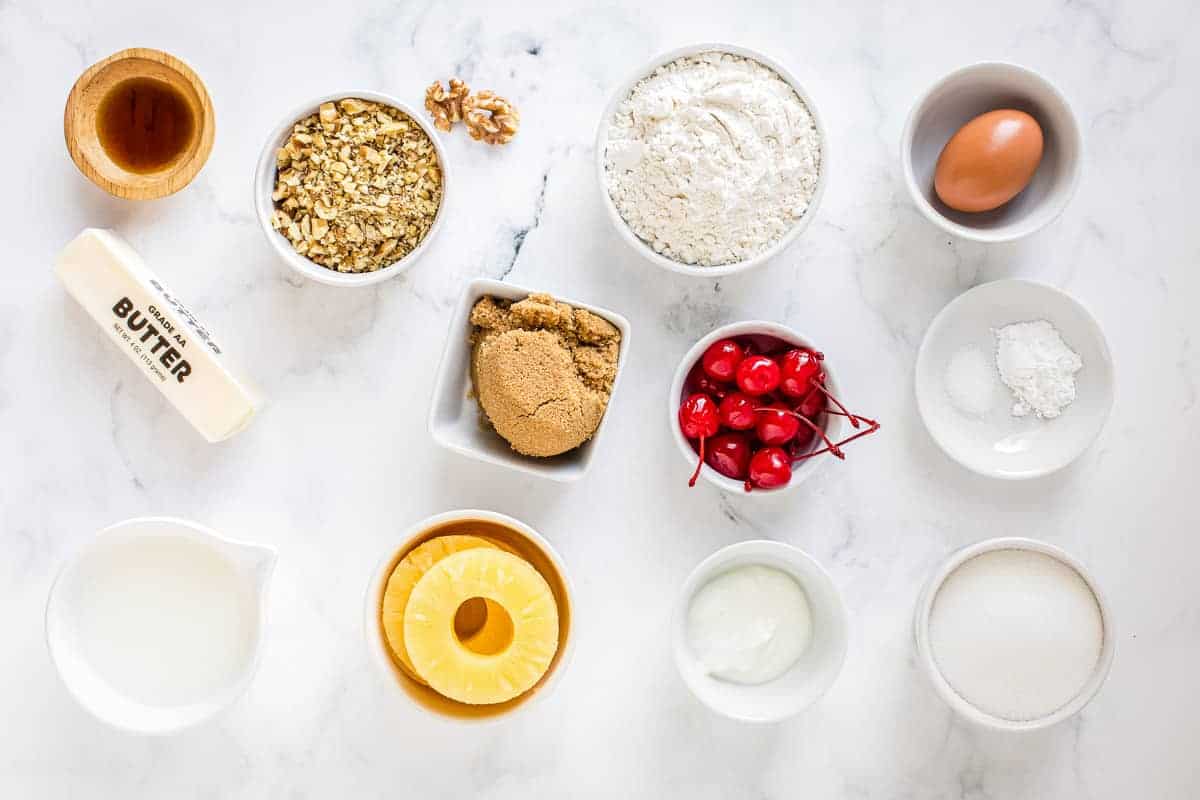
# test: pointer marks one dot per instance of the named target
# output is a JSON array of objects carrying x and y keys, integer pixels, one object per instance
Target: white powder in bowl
[
  {"x": 971, "y": 381},
  {"x": 712, "y": 158},
  {"x": 1037, "y": 366},
  {"x": 1016, "y": 633}
]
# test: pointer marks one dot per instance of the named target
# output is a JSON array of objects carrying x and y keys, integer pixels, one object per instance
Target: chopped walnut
[
  {"x": 490, "y": 118},
  {"x": 446, "y": 108},
  {"x": 357, "y": 186}
]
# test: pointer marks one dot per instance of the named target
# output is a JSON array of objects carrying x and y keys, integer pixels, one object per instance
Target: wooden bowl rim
[{"x": 170, "y": 180}]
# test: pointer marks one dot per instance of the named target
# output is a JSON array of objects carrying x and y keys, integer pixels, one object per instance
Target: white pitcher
[{"x": 156, "y": 624}]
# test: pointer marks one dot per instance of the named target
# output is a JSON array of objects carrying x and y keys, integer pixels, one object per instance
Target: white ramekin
[
  {"x": 623, "y": 228},
  {"x": 264, "y": 185},
  {"x": 955, "y": 100},
  {"x": 377, "y": 647},
  {"x": 809, "y": 678},
  {"x": 834, "y": 424},
  {"x": 946, "y": 691}
]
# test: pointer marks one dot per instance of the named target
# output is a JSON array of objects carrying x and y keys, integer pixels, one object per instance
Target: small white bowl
[
  {"x": 639, "y": 245},
  {"x": 65, "y": 638},
  {"x": 834, "y": 424},
  {"x": 963, "y": 95},
  {"x": 264, "y": 185},
  {"x": 391, "y": 675},
  {"x": 809, "y": 678},
  {"x": 454, "y": 414},
  {"x": 946, "y": 691},
  {"x": 997, "y": 444}
]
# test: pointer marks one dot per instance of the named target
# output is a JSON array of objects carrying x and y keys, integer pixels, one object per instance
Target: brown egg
[{"x": 989, "y": 160}]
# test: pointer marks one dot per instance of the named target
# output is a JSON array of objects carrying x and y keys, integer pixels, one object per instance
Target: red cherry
[
  {"x": 699, "y": 381},
  {"x": 812, "y": 404},
  {"x": 698, "y": 416},
  {"x": 729, "y": 454},
  {"x": 770, "y": 468},
  {"x": 698, "y": 419},
  {"x": 737, "y": 411},
  {"x": 757, "y": 375},
  {"x": 797, "y": 368},
  {"x": 776, "y": 425},
  {"x": 721, "y": 359}
]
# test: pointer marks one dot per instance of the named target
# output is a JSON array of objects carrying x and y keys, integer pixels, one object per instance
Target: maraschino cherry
[
  {"x": 770, "y": 468},
  {"x": 729, "y": 454},
  {"x": 758, "y": 375},
  {"x": 720, "y": 361},
  {"x": 776, "y": 425},
  {"x": 737, "y": 411},
  {"x": 797, "y": 368},
  {"x": 698, "y": 419}
]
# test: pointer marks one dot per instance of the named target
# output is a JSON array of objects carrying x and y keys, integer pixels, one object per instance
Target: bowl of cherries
[{"x": 754, "y": 407}]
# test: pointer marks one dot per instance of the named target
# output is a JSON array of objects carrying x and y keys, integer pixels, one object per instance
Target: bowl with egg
[
  {"x": 350, "y": 188},
  {"x": 759, "y": 631},
  {"x": 711, "y": 159},
  {"x": 991, "y": 152}
]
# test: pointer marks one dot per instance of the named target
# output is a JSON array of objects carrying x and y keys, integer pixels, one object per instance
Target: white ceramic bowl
[
  {"x": 835, "y": 425},
  {"x": 963, "y": 95},
  {"x": 954, "y": 699},
  {"x": 64, "y": 636},
  {"x": 809, "y": 678},
  {"x": 623, "y": 229},
  {"x": 997, "y": 444},
  {"x": 264, "y": 185},
  {"x": 454, "y": 420},
  {"x": 377, "y": 646}
]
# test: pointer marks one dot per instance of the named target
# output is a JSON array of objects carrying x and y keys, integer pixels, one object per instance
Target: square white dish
[{"x": 454, "y": 415}]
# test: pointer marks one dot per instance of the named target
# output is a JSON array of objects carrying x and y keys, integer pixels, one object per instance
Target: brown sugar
[{"x": 542, "y": 370}]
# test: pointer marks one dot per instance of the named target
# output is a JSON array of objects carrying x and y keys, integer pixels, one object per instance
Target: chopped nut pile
[
  {"x": 357, "y": 187},
  {"x": 488, "y": 117}
]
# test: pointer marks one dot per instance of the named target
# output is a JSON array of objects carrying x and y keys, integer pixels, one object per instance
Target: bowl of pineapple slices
[{"x": 470, "y": 616}]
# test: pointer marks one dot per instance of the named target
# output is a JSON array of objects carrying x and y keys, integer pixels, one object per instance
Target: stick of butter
[{"x": 169, "y": 345}]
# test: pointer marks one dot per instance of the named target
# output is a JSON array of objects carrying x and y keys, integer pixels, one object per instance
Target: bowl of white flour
[{"x": 711, "y": 159}]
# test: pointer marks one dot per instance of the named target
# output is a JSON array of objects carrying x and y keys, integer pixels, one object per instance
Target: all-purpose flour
[{"x": 712, "y": 158}]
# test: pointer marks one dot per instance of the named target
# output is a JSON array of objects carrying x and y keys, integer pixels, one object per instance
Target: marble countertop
[{"x": 341, "y": 461}]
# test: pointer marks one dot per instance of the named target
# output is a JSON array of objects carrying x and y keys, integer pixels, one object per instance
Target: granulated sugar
[{"x": 1016, "y": 633}]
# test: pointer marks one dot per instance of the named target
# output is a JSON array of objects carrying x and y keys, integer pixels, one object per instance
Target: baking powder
[
  {"x": 1037, "y": 366},
  {"x": 712, "y": 158}
]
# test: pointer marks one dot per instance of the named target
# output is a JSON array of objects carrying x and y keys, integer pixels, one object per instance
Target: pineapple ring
[
  {"x": 493, "y": 665},
  {"x": 402, "y": 580}
]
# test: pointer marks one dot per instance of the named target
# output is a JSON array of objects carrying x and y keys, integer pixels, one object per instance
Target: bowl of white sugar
[
  {"x": 711, "y": 159},
  {"x": 1014, "y": 634}
]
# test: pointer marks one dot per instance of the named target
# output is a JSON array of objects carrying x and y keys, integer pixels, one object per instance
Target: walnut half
[
  {"x": 446, "y": 108},
  {"x": 490, "y": 118}
]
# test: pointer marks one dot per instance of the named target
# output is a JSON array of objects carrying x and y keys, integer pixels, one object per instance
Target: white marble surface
[{"x": 341, "y": 460}]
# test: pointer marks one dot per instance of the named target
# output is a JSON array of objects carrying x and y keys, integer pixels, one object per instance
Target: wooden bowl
[{"x": 83, "y": 141}]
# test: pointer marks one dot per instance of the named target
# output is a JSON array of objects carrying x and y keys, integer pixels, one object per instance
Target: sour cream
[{"x": 749, "y": 625}]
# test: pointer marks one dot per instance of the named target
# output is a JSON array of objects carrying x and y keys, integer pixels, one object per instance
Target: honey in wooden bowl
[
  {"x": 472, "y": 616},
  {"x": 139, "y": 124},
  {"x": 145, "y": 124}
]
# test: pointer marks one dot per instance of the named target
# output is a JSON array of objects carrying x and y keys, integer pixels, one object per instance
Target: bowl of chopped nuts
[{"x": 350, "y": 188}]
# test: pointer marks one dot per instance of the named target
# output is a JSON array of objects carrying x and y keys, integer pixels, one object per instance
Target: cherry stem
[
  {"x": 874, "y": 427},
  {"x": 830, "y": 446},
  {"x": 867, "y": 420},
  {"x": 699, "y": 464},
  {"x": 845, "y": 412}
]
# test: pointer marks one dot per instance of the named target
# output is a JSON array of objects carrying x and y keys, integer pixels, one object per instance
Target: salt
[
  {"x": 1016, "y": 633},
  {"x": 970, "y": 381}
]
